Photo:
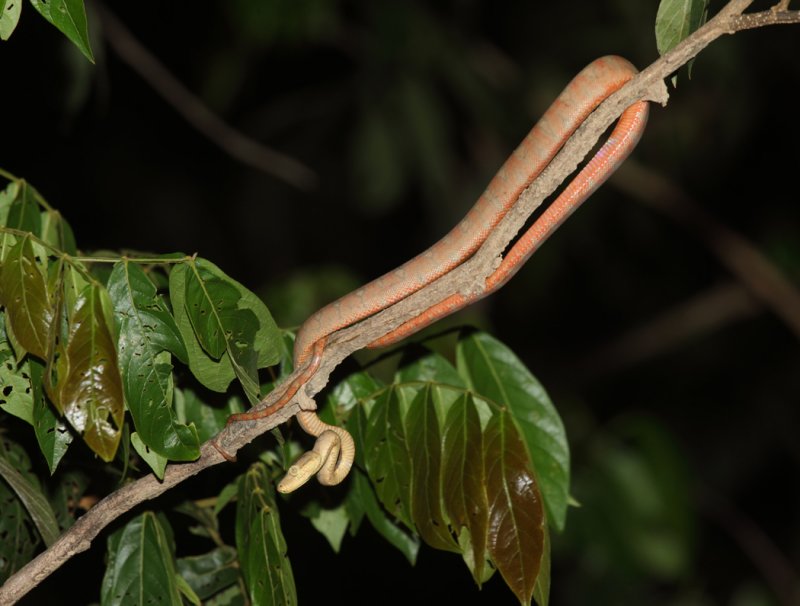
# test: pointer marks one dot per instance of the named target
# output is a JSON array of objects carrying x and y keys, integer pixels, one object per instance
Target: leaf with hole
[
  {"x": 147, "y": 335},
  {"x": 259, "y": 542},
  {"x": 69, "y": 17},
  {"x": 89, "y": 389},
  {"x": 228, "y": 331},
  {"x": 140, "y": 564}
]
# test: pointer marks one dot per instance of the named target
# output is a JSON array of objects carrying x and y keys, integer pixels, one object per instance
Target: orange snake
[{"x": 334, "y": 451}]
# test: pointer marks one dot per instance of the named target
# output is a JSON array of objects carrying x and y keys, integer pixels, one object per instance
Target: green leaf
[
  {"x": 676, "y": 20},
  {"x": 362, "y": 495},
  {"x": 260, "y": 543},
  {"x": 386, "y": 455},
  {"x": 464, "y": 492},
  {"x": 209, "y": 420},
  {"x": 89, "y": 388},
  {"x": 330, "y": 523},
  {"x": 425, "y": 446},
  {"x": 57, "y": 232},
  {"x": 28, "y": 308},
  {"x": 517, "y": 525},
  {"x": 156, "y": 462},
  {"x": 147, "y": 333},
  {"x": 9, "y": 17},
  {"x": 19, "y": 538},
  {"x": 53, "y": 435},
  {"x": 15, "y": 385},
  {"x": 210, "y": 573},
  {"x": 69, "y": 16},
  {"x": 34, "y": 501},
  {"x": 228, "y": 331},
  {"x": 23, "y": 214},
  {"x": 141, "y": 564},
  {"x": 495, "y": 372}
]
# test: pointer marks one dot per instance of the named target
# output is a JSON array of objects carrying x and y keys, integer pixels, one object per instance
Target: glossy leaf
[
  {"x": 515, "y": 540},
  {"x": 259, "y": 542},
  {"x": 210, "y": 573},
  {"x": 69, "y": 16},
  {"x": 33, "y": 500},
  {"x": 228, "y": 331},
  {"x": 495, "y": 372},
  {"x": 147, "y": 335},
  {"x": 28, "y": 308},
  {"x": 209, "y": 420},
  {"x": 9, "y": 17},
  {"x": 141, "y": 565},
  {"x": 89, "y": 388},
  {"x": 53, "y": 435},
  {"x": 19, "y": 537}
]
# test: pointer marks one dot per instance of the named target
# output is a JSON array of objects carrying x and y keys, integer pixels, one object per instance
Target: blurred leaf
[
  {"x": 260, "y": 543},
  {"x": 89, "y": 388},
  {"x": 377, "y": 162},
  {"x": 67, "y": 495},
  {"x": 23, "y": 213},
  {"x": 9, "y": 17},
  {"x": 69, "y": 16},
  {"x": 156, "y": 462},
  {"x": 25, "y": 296},
  {"x": 141, "y": 564},
  {"x": 222, "y": 324},
  {"x": 210, "y": 573},
  {"x": 16, "y": 528},
  {"x": 34, "y": 501},
  {"x": 53, "y": 435},
  {"x": 496, "y": 373},
  {"x": 147, "y": 334}
]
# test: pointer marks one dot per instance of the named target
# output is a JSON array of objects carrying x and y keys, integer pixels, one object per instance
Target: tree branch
[
  {"x": 233, "y": 142},
  {"x": 649, "y": 84}
]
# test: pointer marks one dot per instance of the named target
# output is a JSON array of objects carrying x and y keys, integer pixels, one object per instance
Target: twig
[
  {"x": 196, "y": 113},
  {"x": 742, "y": 258},
  {"x": 775, "y": 568},
  {"x": 649, "y": 84}
]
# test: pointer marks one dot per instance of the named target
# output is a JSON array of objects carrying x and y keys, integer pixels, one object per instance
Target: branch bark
[{"x": 649, "y": 84}]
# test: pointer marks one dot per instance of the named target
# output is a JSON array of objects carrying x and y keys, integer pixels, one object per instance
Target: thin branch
[
  {"x": 649, "y": 84},
  {"x": 195, "y": 112},
  {"x": 740, "y": 256}
]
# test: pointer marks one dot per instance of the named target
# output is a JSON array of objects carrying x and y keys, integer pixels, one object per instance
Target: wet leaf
[{"x": 89, "y": 388}]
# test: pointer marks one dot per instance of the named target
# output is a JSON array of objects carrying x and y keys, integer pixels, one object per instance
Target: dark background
[{"x": 685, "y": 441}]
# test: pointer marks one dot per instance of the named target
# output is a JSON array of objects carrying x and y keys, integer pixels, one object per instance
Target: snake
[{"x": 334, "y": 451}]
